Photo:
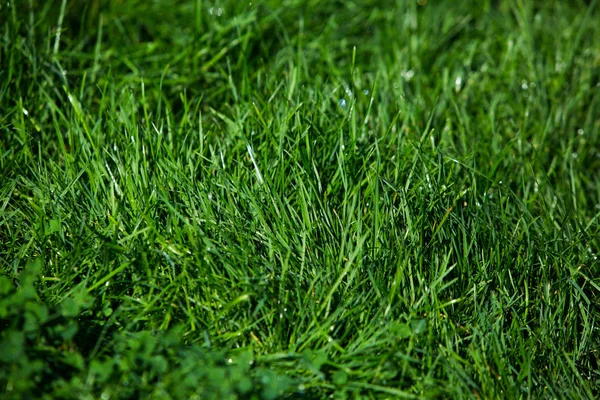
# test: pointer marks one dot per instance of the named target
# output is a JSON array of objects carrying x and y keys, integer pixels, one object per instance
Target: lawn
[{"x": 299, "y": 199}]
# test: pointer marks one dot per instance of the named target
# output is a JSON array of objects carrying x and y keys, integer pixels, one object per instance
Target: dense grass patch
[{"x": 299, "y": 198}]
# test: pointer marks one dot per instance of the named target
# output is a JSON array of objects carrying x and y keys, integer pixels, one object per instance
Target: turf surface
[{"x": 376, "y": 199}]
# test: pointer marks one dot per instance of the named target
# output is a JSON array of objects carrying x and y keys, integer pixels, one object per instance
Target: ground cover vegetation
[{"x": 299, "y": 198}]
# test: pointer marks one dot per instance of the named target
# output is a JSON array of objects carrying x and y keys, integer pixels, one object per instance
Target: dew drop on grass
[
  {"x": 25, "y": 112},
  {"x": 366, "y": 92},
  {"x": 458, "y": 83},
  {"x": 524, "y": 85},
  {"x": 218, "y": 11},
  {"x": 580, "y": 132},
  {"x": 342, "y": 103}
]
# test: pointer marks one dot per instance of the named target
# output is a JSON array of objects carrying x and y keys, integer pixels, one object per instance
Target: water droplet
[
  {"x": 342, "y": 102},
  {"x": 524, "y": 85},
  {"x": 575, "y": 155},
  {"x": 580, "y": 132},
  {"x": 218, "y": 11},
  {"x": 366, "y": 92},
  {"x": 230, "y": 361},
  {"x": 458, "y": 83},
  {"x": 408, "y": 75},
  {"x": 25, "y": 112}
]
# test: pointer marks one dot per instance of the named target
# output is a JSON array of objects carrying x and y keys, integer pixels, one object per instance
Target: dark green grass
[{"x": 301, "y": 198}]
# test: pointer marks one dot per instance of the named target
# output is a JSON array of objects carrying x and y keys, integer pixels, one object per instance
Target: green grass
[{"x": 364, "y": 199}]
